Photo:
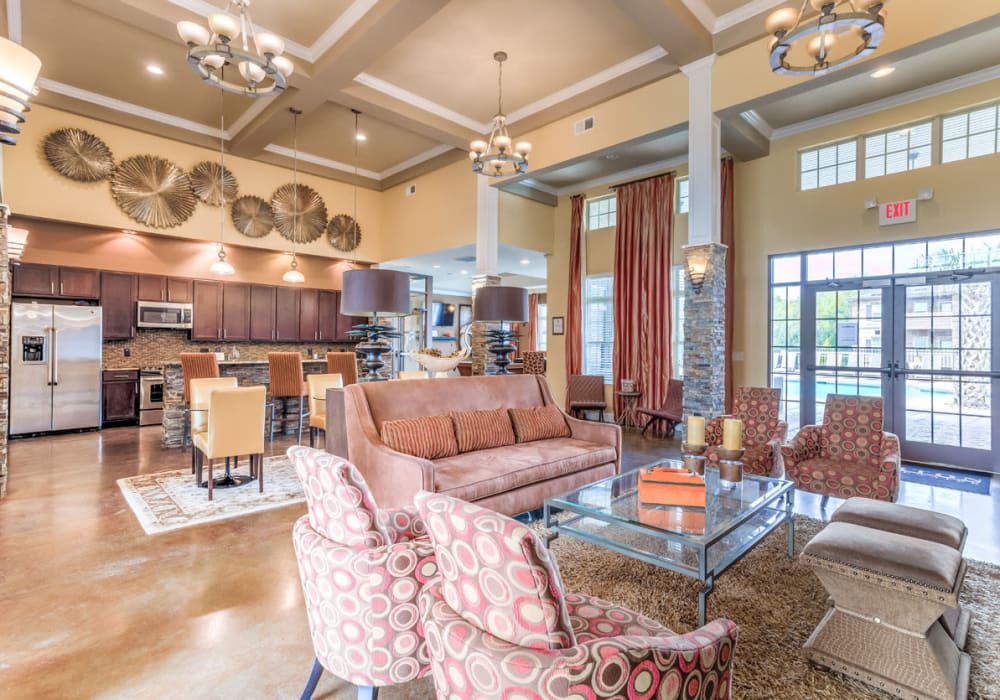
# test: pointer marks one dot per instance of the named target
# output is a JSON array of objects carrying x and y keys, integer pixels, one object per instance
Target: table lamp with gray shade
[
  {"x": 372, "y": 292},
  {"x": 499, "y": 305}
]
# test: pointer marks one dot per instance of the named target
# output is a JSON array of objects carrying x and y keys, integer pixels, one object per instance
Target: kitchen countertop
[{"x": 177, "y": 363}]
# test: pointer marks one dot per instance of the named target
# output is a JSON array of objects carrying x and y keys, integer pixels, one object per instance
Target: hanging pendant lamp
[
  {"x": 222, "y": 266},
  {"x": 292, "y": 275}
]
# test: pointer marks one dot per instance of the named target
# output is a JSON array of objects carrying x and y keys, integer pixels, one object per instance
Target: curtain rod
[{"x": 641, "y": 179}]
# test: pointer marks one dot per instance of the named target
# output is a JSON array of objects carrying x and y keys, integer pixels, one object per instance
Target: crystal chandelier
[
  {"x": 859, "y": 21},
  {"x": 263, "y": 68},
  {"x": 495, "y": 158},
  {"x": 292, "y": 275}
]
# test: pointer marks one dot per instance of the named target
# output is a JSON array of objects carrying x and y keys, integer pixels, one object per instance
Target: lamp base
[
  {"x": 501, "y": 352},
  {"x": 373, "y": 360}
]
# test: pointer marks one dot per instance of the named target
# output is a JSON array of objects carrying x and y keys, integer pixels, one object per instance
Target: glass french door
[{"x": 927, "y": 345}]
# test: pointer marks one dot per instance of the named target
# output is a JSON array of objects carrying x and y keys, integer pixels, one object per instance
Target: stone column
[
  {"x": 4, "y": 346},
  {"x": 705, "y": 331},
  {"x": 482, "y": 360}
]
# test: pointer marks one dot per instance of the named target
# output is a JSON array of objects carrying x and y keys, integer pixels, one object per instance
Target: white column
[
  {"x": 705, "y": 196},
  {"x": 487, "y": 226}
]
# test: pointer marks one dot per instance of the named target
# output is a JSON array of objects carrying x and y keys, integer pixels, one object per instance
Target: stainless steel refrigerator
[{"x": 55, "y": 367}]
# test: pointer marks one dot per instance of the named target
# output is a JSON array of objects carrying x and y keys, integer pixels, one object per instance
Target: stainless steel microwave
[{"x": 163, "y": 314}]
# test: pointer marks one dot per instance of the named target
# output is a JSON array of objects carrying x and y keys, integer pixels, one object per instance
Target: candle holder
[
  {"x": 694, "y": 459},
  {"x": 731, "y": 464}
]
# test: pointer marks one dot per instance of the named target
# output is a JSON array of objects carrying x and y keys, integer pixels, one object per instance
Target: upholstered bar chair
[
  {"x": 362, "y": 569},
  {"x": 849, "y": 455},
  {"x": 671, "y": 412},
  {"x": 586, "y": 393},
  {"x": 763, "y": 431},
  {"x": 534, "y": 362},
  {"x": 235, "y": 428},
  {"x": 200, "y": 390},
  {"x": 345, "y": 364},
  {"x": 195, "y": 365},
  {"x": 499, "y": 625},
  {"x": 285, "y": 371},
  {"x": 413, "y": 374},
  {"x": 318, "y": 384}
]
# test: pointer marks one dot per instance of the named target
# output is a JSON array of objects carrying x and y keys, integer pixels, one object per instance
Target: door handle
[
  {"x": 55, "y": 358},
  {"x": 61, "y": 287},
  {"x": 52, "y": 287}
]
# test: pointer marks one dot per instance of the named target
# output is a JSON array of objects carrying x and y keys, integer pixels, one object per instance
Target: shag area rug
[{"x": 164, "y": 501}]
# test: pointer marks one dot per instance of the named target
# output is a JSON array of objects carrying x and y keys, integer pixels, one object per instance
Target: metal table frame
[{"x": 783, "y": 498}]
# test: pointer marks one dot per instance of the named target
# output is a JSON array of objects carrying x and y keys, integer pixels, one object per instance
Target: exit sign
[{"x": 891, "y": 213}]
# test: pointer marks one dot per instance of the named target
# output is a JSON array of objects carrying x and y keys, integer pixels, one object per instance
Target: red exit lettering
[{"x": 897, "y": 209}]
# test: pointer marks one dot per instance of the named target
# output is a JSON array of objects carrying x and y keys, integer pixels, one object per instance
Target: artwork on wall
[
  {"x": 78, "y": 155},
  {"x": 464, "y": 315},
  {"x": 252, "y": 216},
  {"x": 298, "y": 208},
  {"x": 343, "y": 233},
  {"x": 210, "y": 181},
  {"x": 558, "y": 325},
  {"x": 153, "y": 191}
]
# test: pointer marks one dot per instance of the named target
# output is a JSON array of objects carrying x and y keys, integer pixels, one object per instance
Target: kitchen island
[{"x": 247, "y": 372}]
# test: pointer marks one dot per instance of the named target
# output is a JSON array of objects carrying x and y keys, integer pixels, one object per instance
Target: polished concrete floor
[{"x": 92, "y": 607}]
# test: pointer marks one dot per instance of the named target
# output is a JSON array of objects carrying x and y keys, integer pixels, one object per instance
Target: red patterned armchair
[
  {"x": 763, "y": 432},
  {"x": 498, "y": 624},
  {"x": 849, "y": 455},
  {"x": 362, "y": 569}
]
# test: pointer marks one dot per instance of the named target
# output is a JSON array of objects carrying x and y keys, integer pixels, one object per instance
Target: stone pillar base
[{"x": 705, "y": 331}]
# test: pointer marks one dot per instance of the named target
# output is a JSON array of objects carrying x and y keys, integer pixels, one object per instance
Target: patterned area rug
[{"x": 166, "y": 501}]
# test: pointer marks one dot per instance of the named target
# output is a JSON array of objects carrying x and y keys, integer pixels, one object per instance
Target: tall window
[
  {"x": 602, "y": 213},
  {"x": 542, "y": 337},
  {"x": 677, "y": 283},
  {"x": 828, "y": 165},
  {"x": 598, "y": 326},
  {"x": 898, "y": 150},
  {"x": 969, "y": 134},
  {"x": 682, "y": 196}
]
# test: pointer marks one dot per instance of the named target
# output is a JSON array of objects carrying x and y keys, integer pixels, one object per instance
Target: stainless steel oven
[
  {"x": 164, "y": 314},
  {"x": 150, "y": 397}
]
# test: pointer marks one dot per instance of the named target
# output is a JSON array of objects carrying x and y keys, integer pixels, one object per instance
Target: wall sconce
[
  {"x": 17, "y": 238},
  {"x": 697, "y": 268}
]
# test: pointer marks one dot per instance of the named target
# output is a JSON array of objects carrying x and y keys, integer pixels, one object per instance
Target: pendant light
[
  {"x": 222, "y": 266},
  {"x": 293, "y": 276}
]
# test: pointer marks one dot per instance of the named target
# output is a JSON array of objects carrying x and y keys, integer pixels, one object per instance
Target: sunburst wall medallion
[
  {"x": 343, "y": 233},
  {"x": 78, "y": 155},
  {"x": 153, "y": 191},
  {"x": 252, "y": 216},
  {"x": 308, "y": 208},
  {"x": 210, "y": 180}
]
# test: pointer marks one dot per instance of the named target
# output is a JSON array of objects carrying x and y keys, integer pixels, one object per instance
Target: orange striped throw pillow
[
  {"x": 482, "y": 430},
  {"x": 538, "y": 423},
  {"x": 430, "y": 437}
]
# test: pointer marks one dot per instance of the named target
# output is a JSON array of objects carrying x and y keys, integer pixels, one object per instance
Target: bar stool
[
  {"x": 201, "y": 390},
  {"x": 195, "y": 365},
  {"x": 345, "y": 364},
  {"x": 286, "y": 383},
  {"x": 231, "y": 412},
  {"x": 318, "y": 384}
]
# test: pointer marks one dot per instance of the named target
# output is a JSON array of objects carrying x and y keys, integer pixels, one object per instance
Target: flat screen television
[{"x": 442, "y": 314}]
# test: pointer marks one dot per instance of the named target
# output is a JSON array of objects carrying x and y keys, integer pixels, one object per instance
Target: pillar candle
[
  {"x": 695, "y": 430},
  {"x": 732, "y": 434}
]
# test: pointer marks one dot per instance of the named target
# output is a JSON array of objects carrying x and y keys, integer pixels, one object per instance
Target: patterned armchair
[
  {"x": 498, "y": 624},
  {"x": 849, "y": 455},
  {"x": 534, "y": 362},
  {"x": 763, "y": 433},
  {"x": 361, "y": 569}
]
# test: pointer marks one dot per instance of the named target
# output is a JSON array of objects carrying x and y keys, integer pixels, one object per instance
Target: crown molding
[
  {"x": 319, "y": 160},
  {"x": 624, "y": 175},
  {"x": 536, "y": 185},
  {"x": 14, "y": 20},
  {"x": 703, "y": 13},
  {"x": 903, "y": 98},
  {"x": 410, "y": 98},
  {"x": 414, "y": 161},
  {"x": 758, "y": 122},
  {"x": 744, "y": 13},
  {"x": 703, "y": 63}
]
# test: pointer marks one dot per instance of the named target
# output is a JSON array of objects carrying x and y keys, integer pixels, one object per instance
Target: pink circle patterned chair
[
  {"x": 763, "y": 432},
  {"x": 849, "y": 455},
  {"x": 498, "y": 624},
  {"x": 362, "y": 569}
]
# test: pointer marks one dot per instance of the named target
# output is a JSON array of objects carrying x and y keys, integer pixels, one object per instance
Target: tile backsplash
[{"x": 152, "y": 347}]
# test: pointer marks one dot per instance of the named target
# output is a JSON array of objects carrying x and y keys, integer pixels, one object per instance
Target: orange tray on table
[{"x": 666, "y": 486}]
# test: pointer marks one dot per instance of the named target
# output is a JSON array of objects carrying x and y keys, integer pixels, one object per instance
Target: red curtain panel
[
  {"x": 729, "y": 239},
  {"x": 532, "y": 322},
  {"x": 642, "y": 288},
  {"x": 574, "y": 333}
]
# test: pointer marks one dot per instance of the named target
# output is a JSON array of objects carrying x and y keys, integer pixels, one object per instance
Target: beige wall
[
  {"x": 773, "y": 216},
  {"x": 33, "y": 188},
  {"x": 525, "y": 223}
]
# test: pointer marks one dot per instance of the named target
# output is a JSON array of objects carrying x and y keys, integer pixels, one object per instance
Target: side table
[{"x": 628, "y": 419}]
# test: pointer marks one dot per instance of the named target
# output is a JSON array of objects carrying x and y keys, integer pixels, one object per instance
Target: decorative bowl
[{"x": 438, "y": 364}]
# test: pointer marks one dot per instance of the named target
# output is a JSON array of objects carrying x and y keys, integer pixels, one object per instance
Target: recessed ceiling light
[
  {"x": 525, "y": 261},
  {"x": 884, "y": 71},
  {"x": 436, "y": 267},
  {"x": 154, "y": 69},
  {"x": 611, "y": 156},
  {"x": 128, "y": 232},
  {"x": 361, "y": 137},
  {"x": 463, "y": 272}
]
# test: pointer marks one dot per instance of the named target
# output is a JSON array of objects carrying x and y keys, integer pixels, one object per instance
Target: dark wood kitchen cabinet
[
  {"x": 329, "y": 309},
  {"x": 120, "y": 396},
  {"x": 308, "y": 314},
  {"x": 175, "y": 290},
  {"x": 262, "y": 301},
  {"x": 235, "y": 311},
  {"x": 286, "y": 314},
  {"x": 178, "y": 290},
  {"x": 79, "y": 283},
  {"x": 118, "y": 296},
  {"x": 31, "y": 280},
  {"x": 206, "y": 323}
]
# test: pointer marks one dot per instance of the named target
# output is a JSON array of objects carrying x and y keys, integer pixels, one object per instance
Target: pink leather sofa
[{"x": 509, "y": 480}]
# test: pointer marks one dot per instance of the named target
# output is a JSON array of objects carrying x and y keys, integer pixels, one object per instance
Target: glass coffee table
[{"x": 697, "y": 542}]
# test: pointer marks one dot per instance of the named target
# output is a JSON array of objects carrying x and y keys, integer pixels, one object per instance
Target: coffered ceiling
[{"x": 421, "y": 72}]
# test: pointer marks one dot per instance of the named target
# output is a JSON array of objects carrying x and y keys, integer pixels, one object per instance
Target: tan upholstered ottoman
[
  {"x": 913, "y": 522},
  {"x": 889, "y": 593}
]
